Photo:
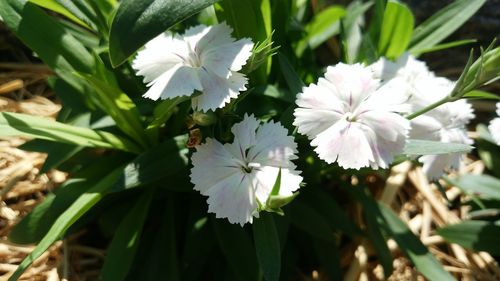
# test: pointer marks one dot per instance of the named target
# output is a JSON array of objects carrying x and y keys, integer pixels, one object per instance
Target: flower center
[
  {"x": 350, "y": 117},
  {"x": 248, "y": 167},
  {"x": 194, "y": 59}
]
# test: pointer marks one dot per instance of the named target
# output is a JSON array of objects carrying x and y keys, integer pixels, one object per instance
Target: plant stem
[{"x": 429, "y": 107}]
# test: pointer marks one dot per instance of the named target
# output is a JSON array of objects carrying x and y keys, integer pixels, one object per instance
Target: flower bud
[{"x": 204, "y": 118}]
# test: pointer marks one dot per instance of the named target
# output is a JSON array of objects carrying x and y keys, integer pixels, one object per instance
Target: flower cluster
[
  {"x": 354, "y": 116},
  {"x": 445, "y": 123}
]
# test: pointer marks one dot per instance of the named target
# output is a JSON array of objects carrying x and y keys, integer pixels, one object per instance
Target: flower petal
[
  {"x": 494, "y": 128},
  {"x": 176, "y": 82},
  {"x": 155, "y": 59},
  {"x": 227, "y": 58},
  {"x": 212, "y": 163},
  {"x": 265, "y": 178},
  {"x": 203, "y": 38},
  {"x": 234, "y": 199},
  {"x": 244, "y": 135},
  {"x": 273, "y": 146},
  {"x": 217, "y": 91},
  {"x": 345, "y": 143},
  {"x": 352, "y": 83}
]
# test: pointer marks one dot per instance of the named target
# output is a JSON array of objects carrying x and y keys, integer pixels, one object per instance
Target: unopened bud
[{"x": 204, "y": 118}]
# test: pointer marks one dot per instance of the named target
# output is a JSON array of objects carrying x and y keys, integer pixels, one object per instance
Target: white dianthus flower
[
  {"x": 206, "y": 59},
  {"x": 352, "y": 119},
  {"x": 240, "y": 176},
  {"x": 445, "y": 123},
  {"x": 406, "y": 67},
  {"x": 494, "y": 126}
]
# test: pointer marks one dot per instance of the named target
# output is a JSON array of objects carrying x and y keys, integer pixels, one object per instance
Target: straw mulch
[{"x": 23, "y": 89}]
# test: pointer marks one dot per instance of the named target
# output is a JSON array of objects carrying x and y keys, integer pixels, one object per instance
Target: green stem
[{"x": 429, "y": 108}]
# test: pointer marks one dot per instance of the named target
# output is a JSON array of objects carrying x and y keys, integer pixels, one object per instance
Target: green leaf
[
  {"x": 412, "y": 247},
  {"x": 57, "y": 153},
  {"x": 162, "y": 113},
  {"x": 443, "y": 23},
  {"x": 66, "y": 219},
  {"x": 45, "y": 36},
  {"x": 16, "y": 124},
  {"x": 118, "y": 105},
  {"x": 483, "y": 185},
  {"x": 443, "y": 46},
  {"x": 351, "y": 32},
  {"x": 307, "y": 219},
  {"x": 425, "y": 147},
  {"x": 322, "y": 27},
  {"x": 475, "y": 235},
  {"x": 397, "y": 28},
  {"x": 267, "y": 246},
  {"x": 121, "y": 251},
  {"x": 157, "y": 252},
  {"x": 330, "y": 209},
  {"x": 478, "y": 94},
  {"x": 238, "y": 250},
  {"x": 53, "y": 5},
  {"x": 329, "y": 258},
  {"x": 35, "y": 225},
  {"x": 160, "y": 163},
  {"x": 293, "y": 80},
  {"x": 373, "y": 216},
  {"x": 137, "y": 22}
]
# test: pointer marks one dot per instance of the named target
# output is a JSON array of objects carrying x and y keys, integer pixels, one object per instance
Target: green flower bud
[{"x": 204, "y": 118}]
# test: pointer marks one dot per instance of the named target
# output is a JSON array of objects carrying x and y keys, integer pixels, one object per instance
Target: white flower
[
  {"x": 351, "y": 119},
  {"x": 205, "y": 59},
  {"x": 406, "y": 67},
  {"x": 237, "y": 177},
  {"x": 494, "y": 126},
  {"x": 445, "y": 123}
]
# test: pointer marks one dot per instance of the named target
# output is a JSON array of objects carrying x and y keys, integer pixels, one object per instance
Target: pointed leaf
[
  {"x": 267, "y": 246},
  {"x": 16, "y": 124},
  {"x": 425, "y": 147},
  {"x": 475, "y": 235}
]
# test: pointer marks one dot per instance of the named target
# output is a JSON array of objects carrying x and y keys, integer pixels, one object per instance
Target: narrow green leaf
[
  {"x": 16, "y": 124},
  {"x": 32, "y": 228},
  {"x": 397, "y": 28},
  {"x": 307, "y": 219},
  {"x": 68, "y": 218},
  {"x": 474, "y": 235},
  {"x": 412, "y": 247},
  {"x": 443, "y": 23},
  {"x": 267, "y": 246},
  {"x": 443, "y": 46},
  {"x": 121, "y": 251},
  {"x": 160, "y": 163},
  {"x": 372, "y": 216},
  {"x": 322, "y": 27},
  {"x": 57, "y": 153},
  {"x": 53, "y": 5},
  {"x": 483, "y": 185},
  {"x": 478, "y": 94},
  {"x": 157, "y": 252},
  {"x": 329, "y": 258},
  {"x": 162, "y": 113},
  {"x": 425, "y": 147},
  {"x": 45, "y": 36},
  {"x": 330, "y": 209},
  {"x": 119, "y": 106},
  {"x": 238, "y": 250},
  {"x": 137, "y": 22},
  {"x": 293, "y": 80}
]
